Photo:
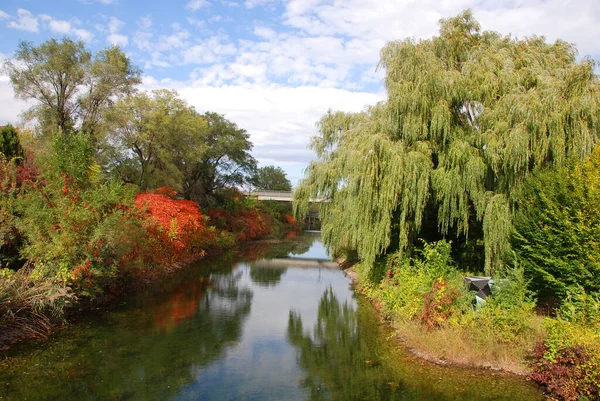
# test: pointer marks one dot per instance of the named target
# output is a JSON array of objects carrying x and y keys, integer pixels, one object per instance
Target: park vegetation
[
  {"x": 483, "y": 160},
  {"x": 106, "y": 187}
]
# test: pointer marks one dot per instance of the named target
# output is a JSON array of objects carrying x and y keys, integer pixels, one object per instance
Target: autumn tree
[
  {"x": 469, "y": 114},
  {"x": 153, "y": 139},
  {"x": 271, "y": 178},
  {"x": 227, "y": 161},
  {"x": 71, "y": 87}
]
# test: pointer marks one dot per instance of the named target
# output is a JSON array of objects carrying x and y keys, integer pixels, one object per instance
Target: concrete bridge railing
[{"x": 281, "y": 196}]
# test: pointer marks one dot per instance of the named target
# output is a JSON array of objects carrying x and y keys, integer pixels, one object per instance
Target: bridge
[{"x": 281, "y": 196}]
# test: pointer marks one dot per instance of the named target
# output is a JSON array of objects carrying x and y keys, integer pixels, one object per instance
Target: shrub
[
  {"x": 439, "y": 304},
  {"x": 177, "y": 227},
  {"x": 245, "y": 223},
  {"x": 27, "y": 307},
  {"x": 557, "y": 229},
  {"x": 567, "y": 361}
]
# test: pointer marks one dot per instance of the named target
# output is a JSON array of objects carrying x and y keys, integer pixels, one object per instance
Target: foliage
[
  {"x": 426, "y": 285},
  {"x": 509, "y": 314},
  {"x": 152, "y": 139},
  {"x": 75, "y": 232},
  {"x": 177, "y": 227},
  {"x": 438, "y": 304},
  {"x": 567, "y": 361},
  {"x": 469, "y": 115},
  {"x": 557, "y": 229},
  {"x": 226, "y": 163},
  {"x": 68, "y": 84},
  {"x": 16, "y": 173},
  {"x": 271, "y": 178},
  {"x": 10, "y": 145},
  {"x": 27, "y": 307},
  {"x": 245, "y": 224}
]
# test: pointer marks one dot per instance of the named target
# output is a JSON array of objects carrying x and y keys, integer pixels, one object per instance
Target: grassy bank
[
  {"x": 424, "y": 298},
  {"x": 160, "y": 235}
]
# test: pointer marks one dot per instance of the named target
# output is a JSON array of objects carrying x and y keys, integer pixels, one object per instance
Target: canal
[{"x": 273, "y": 323}]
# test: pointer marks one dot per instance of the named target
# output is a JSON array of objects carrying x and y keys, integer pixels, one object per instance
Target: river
[{"x": 265, "y": 325}]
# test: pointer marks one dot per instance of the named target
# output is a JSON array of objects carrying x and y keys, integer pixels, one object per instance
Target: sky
[{"x": 273, "y": 67}]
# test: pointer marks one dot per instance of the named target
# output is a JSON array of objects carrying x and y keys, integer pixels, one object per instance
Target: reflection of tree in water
[
  {"x": 337, "y": 362},
  {"x": 265, "y": 276},
  {"x": 276, "y": 249},
  {"x": 346, "y": 358},
  {"x": 132, "y": 356}
]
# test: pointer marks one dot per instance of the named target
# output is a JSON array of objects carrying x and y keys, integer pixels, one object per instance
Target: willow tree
[{"x": 469, "y": 114}]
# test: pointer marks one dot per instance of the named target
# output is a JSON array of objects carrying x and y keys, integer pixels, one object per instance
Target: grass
[{"x": 29, "y": 307}]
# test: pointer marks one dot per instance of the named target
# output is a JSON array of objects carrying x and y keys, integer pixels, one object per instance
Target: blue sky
[{"x": 274, "y": 67}]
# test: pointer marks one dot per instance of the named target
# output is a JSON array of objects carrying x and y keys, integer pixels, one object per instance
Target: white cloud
[
  {"x": 11, "y": 107},
  {"x": 117, "y": 39},
  {"x": 63, "y": 27},
  {"x": 256, "y": 3},
  {"x": 114, "y": 25},
  {"x": 25, "y": 21},
  {"x": 4, "y": 15},
  {"x": 111, "y": 30},
  {"x": 144, "y": 22},
  {"x": 195, "y": 5}
]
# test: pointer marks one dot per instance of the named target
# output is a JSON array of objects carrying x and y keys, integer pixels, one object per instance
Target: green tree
[
  {"x": 226, "y": 163},
  {"x": 153, "y": 139},
  {"x": 10, "y": 146},
  {"x": 271, "y": 178},
  {"x": 69, "y": 85},
  {"x": 469, "y": 115},
  {"x": 557, "y": 229}
]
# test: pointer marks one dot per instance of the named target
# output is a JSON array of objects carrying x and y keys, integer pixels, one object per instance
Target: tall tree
[
  {"x": 154, "y": 139},
  {"x": 271, "y": 178},
  {"x": 469, "y": 115},
  {"x": 226, "y": 163},
  {"x": 70, "y": 86}
]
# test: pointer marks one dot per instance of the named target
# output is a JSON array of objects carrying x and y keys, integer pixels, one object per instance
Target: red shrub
[
  {"x": 290, "y": 220},
  {"x": 567, "y": 377},
  {"x": 245, "y": 225},
  {"x": 438, "y": 305},
  {"x": 177, "y": 226}
]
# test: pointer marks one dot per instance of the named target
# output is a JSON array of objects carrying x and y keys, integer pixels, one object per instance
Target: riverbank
[
  {"x": 232, "y": 328},
  {"x": 449, "y": 346},
  {"x": 175, "y": 235}
]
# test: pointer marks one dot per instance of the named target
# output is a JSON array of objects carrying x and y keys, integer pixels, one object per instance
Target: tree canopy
[
  {"x": 469, "y": 114},
  {"x": 71, "y": 86},
  {"x": 227, "y": 161},
  {"x": 271, "y": 178},
  {"x": 153, "y": 138}
]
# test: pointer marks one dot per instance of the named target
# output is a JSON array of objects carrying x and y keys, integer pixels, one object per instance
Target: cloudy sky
[{"x": 272, "y": 66}]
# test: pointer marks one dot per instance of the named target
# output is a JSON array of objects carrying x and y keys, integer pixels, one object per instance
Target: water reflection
[
  {"x": 224, "y": 331},
  {"x": 265, "y": 276},
  {"x": 142, "y": 354},
  {"x": 344, "y": 358}
]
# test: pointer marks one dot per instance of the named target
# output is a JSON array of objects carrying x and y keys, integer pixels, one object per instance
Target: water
[{"x": 250, "y": 330}]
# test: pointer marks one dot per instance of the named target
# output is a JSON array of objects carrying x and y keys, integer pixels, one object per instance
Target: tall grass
[{"x": 27, "y": 307}]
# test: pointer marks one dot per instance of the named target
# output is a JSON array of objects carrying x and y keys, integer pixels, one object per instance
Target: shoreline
[
  {"x": 109, "y": 301},
  {"x": 422, "y": 354}
]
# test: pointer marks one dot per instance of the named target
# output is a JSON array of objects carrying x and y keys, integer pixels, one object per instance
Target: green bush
[
  {"x": 509, "y": 313},
  {"x": 557, "y": 229},
  {"x": 27, "y": 307},
  {"x": 76, "y": 228},
  {"x": 567, "y": 361}
]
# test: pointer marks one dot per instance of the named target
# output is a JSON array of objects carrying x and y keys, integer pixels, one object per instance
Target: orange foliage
[
  {"x": 176, "y": 226},
  {"x": 290, "y": 220},
  {"x": 246, "y": 224},
  {"x": 166, "y": 190}
]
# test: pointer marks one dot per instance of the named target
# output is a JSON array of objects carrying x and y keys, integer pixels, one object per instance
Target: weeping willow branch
[{"x": 469, "y": 115}]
